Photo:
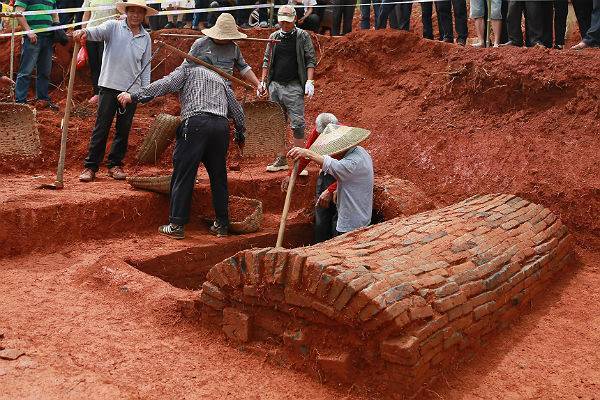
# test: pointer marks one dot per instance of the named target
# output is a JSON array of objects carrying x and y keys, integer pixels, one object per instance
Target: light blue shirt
[
  {"x": 354, "y": 174},
  {"x": 124, "y": 55}
]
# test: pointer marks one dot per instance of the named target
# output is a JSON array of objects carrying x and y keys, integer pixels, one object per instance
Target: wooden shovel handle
[{"x": 286, "y": 206}]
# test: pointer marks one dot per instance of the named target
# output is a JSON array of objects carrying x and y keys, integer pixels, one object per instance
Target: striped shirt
[
  {"x": 38, "y": 21},
  {"x": 201, "y": 91}
]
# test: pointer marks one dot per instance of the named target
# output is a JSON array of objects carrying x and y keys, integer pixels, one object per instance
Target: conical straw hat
[
  {"x": 122, "y": 6},
  {"x": 224, "y": 29},
  {"x": 338, "y": 138}
]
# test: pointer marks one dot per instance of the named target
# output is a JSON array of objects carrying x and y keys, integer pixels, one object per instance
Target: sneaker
[
  {"x": 303, "y": 173},
  {"x": 263, "y": 24},
  {"x": 195, "y": 28},
  {"x": 169, "y": 25},
  {"x": 558, "y": 47},
  {"x": 219, "y": 230},
  {"x": 41, "y": 104},
  {"x": 580, "y": 46},
  {"x": 279, "y": 164},
  {"x": 87, "y": 175},
  {"x": 172, "y": 230},
  {"x": 179, "y": 24},
  {"x": 117, "y": 173}
]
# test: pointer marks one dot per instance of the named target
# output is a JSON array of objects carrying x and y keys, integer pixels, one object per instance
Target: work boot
[
  {"x": 279, "y": 164},
  {"x": 117, "y": 173},
  {"x": 169, "y": 25},
  {"x": 42, "y": 104},
  {"x": 172, "y": 230},
  {"x": 219, "y": 230},
  {"x": 87, "y": 175}
]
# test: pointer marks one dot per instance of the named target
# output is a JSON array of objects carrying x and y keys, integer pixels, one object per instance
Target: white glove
[
  {"x": 262, "y": 88},
  {"x": 309, "y": 88}
]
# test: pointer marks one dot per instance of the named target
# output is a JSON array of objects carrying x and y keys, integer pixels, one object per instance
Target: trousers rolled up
[
  {"x": 200, "y": 139},
  {"x": 108, "y": 107}
]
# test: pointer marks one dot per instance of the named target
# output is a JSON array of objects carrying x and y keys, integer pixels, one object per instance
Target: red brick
[
  {"x": 212, "y": 291},
  {"x": 402, "y": 350},
  {"x": 297, "y": 298},
  {"x": 450, "y": 302},
  {"x": 338, "y": 366},
  {"x": 339, "y": 283},
  {"x": 483, "y": 310},
  {"x": 236, "y": 324},
  {"x": 420, "y": 312},
  {"x": 351, "y": 289},
  {"x": 433, "y": 326},
  {"x": 296, "y": 261},
  {"x": 211, "y": 301},
  {"x": 453, "y": 340}
]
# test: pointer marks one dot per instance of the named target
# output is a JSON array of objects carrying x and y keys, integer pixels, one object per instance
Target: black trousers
[
  {"x": 426, "y": 16},
  {"x": 534, "y": 16},
  {"x": 95, "y": 51},
  {"x": 583, "y": 12},
  {"x": 460, "y": 19},
  {"x": 107, "y": 108},
  {"x": 592, "y": 36},
  {"x": 398, "y": 20},
  {"x": 342, "y": 17},
  {"x": 555, "y": 22},
  {"x": 200, "y": 139},
  {"x": 311, "y": 23},
  {"x": 325, "y": 218},
  {"x": 67, "y": 18}
]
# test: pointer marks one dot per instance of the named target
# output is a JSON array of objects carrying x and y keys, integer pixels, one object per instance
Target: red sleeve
[
  {"x": 333, "y": 187},
  {"x": 304, "y": 162}
]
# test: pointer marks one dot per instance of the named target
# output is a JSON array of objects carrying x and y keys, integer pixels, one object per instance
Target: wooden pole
[
  {"x": 199, "y": 36},
  {"x": 206, "y": 65},
  {"x": 286, "y": 205},
  {"x": 12, "y": 57},
  {"x": 65, "y": 122}
]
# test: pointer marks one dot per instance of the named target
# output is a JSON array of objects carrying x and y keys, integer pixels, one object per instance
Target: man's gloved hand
[
  {"x": 262, "y": 89},
  {"x": 59, "y": 35},
  {"x": 309, "y": 88}
]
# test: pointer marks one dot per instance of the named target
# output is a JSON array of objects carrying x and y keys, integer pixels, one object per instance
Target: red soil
[{"x": 454, "y": 121}]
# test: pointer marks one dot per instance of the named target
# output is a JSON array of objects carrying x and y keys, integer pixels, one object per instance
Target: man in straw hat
[
  {"x": 353, "y": 172},
  {"x": 325, "y": 208},
  {"x": 125, "y": 66},
  {"x": 202, "y": 137},
  {"x": 219, "y": 49},
  {"x": 288, "y": 68}
]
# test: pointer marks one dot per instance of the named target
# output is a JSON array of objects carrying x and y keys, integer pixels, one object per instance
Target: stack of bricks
[{"x": 403, "y": 297}]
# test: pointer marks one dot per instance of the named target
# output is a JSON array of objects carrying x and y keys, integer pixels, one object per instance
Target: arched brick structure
[{"x": 399, "y": 297}]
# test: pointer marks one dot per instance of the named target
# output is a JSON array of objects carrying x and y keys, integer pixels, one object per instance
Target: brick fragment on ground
[{"x": 409, "y": 294}]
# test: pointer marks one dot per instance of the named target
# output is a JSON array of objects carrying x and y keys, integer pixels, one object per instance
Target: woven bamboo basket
[
  {"x": 159, "y": 184},
  {"x": 266, "y": 126},
  {"x": 18, "y": 131},
  {"x": 162, "y": 132}
]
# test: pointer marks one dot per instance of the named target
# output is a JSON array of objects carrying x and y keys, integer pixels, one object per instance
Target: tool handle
[
  {"x": 286, "y": 206},
  {"x": 65, "y": 122},
  {"x": 205, "y": 64}
]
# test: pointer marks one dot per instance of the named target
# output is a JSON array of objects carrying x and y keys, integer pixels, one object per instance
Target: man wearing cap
[
  {"x": 125, "y": 66},
  {"x": 219, "y": 49},
  {"x": 288, "y": 68},
  {"x": 202, "y": 137},
  {"x": 354, "y": 175}
]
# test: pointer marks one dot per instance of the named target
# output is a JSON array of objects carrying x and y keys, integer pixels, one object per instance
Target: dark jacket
[{"x": 305, "y": 53}]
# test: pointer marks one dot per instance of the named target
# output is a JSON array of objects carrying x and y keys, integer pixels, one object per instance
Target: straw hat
[
  {"x": 224, "y": 29},
  {"x": 122, "y": 6},
  {"x": 337, "y": 139}
]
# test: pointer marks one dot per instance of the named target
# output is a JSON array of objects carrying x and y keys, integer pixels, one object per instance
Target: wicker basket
[
  {"x": 266, "y": 127},
  {"x": 18, "y": 131},
  {"x": 162, "y": 132},
  {"x": 159, "y": 184}
]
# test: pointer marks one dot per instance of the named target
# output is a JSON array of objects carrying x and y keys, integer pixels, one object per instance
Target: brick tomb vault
[{"x": 396, "y": 300}]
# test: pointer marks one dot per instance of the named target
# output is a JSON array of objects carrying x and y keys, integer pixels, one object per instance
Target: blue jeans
[
  {"x": 365, "y": 14},
  {"x": 37, "y": 56}
]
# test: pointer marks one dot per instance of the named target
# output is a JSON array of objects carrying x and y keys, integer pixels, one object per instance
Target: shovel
[
  {"x": 58, "y": 183},
  {"x": 286, "y": 206}
]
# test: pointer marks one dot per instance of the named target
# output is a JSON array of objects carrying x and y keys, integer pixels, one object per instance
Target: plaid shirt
[{"x": 200, "y": 91}]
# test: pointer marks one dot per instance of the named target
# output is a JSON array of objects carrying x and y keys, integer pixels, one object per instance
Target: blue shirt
[
  {"x": 354, "y": 174},
  {"x": 124, "y": 55}
]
